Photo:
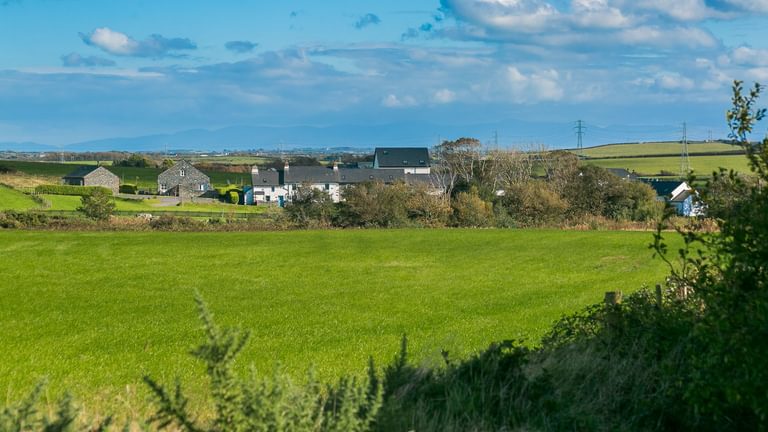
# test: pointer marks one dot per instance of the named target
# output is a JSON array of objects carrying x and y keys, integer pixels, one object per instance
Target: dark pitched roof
[
  {"x": 664, "y": 187},
  {"x": 401, "y": 157},
  {"x": 82, "y": 171},
  {"x": 314, "y": 174},
  {"x": 622, "y": 173},
  {"x": 269, "y": 177}
]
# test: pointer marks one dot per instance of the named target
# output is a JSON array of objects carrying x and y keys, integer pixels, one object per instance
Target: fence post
[
  {"x": 659, "y": 298},
  {"x": 613, "y": 298}
]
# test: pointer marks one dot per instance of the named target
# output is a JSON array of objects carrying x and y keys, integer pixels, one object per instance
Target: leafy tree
[
  {"x": 728, "y": 275},
  {"x": 99, "y": 205},
  {"x": 469, "y": 210},
  {"x": 375, "y": 204},
  {"x": 533, "y": 203},
  {"x": 311, "y": 207}
]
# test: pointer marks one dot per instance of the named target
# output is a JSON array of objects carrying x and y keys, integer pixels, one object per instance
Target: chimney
[
  {"x": 255, "y": 170},
  {"x": 286, "y": 167},
  {"x": 335, "y": 166}
]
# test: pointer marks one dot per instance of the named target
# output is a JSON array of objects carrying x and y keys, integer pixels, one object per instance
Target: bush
[
  {"x": 533, "y": 204},
  {"x": 230, "y": 194},
  {"x": 374, "y": 204},
  {"x": 469, "y": 210},
  {"x": 264, "y": 403},
  {"x": 234, "y": 197},
  {"x": 17, "y": 219},
  {"x": 70, "y": 190},
  {"x": 128, "y": 188},
  {"x": 98, "y": 205},
  {"x": 311, "y": 207},
  {"x": 175, "y": 223}
]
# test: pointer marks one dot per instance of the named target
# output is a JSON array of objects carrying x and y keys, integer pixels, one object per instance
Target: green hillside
[{"x": 656, "y": 149}]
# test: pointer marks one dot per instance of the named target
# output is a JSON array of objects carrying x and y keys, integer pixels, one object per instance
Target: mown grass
[
  {"x": 656, "y": 148},
  {"x": 653, "y": 166},
  {"x": 95, "y": 311},
  {"x": 11, "y": 199},
  {"x": 144, "y": 177},
  {"x": 71, "y": 203}
]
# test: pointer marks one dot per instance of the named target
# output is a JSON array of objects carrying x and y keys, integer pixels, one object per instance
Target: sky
[{"x": 632, "y": 70}]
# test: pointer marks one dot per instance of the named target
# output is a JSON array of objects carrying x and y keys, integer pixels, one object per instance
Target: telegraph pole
[
  {"x": 580, "y": 129},
  {"x": 496, "y": 139},
  {"x": 685, "y": 161}
]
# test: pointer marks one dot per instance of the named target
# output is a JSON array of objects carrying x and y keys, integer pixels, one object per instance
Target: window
[
  {"x": 163, "y": 186},
  {"x": 268, "y": 198},
  {"x": 273, "y": 188},
  {"x": 202, "y": 187},
  {"x": 405, "y": 162},
  {"x": 182, "y": 173},
  {"x": 421, "y": 162},
  {"x": 327, "y": 186}
]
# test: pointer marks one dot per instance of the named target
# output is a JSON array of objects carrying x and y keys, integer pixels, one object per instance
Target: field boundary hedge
[{"x": 70, "y": 190}]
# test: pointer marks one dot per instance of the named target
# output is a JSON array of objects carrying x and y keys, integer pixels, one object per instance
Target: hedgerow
[{"x": 70, "y": 190}]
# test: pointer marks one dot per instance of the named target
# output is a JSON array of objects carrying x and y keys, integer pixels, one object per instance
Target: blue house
[{"x": 677, "y": 194}]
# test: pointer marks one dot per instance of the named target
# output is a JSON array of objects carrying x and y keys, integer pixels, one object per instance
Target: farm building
[
  {"x": 278, "y": 186},
  {"x": 677, "y": 194},
  {"x": 184, "y": 180},
  {"x": 93, "y": 176},
  {"x": 412, "y": 160}
]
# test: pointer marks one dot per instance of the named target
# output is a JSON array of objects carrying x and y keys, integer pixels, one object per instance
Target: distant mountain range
[{"x": 510, "y": 134}]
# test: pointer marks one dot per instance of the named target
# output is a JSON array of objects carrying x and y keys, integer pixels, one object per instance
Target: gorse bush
[{"x": 258, "y": 403}]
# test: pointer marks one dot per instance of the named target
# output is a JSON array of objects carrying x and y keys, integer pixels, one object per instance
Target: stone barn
[
  {"x": 184, "y": 180},
  {"x": 93, "y": 176}
]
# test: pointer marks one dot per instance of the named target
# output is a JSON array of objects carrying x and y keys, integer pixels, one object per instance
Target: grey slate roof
[
  {"x": 622, "y": 173},
  {"x": 269, "y": 177},
  {"x": 401, "y": 157},
  {"x": 320, "y": 175},
  {"x": 82, "y": 171}
]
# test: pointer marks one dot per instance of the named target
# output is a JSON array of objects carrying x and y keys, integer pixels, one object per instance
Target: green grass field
[
  {"x": 144, "y": 177},
  {"x": 11, "y": 199},
  {"x": 71, "y": 203},
  {"x": 655, "y": 149},
  {"x": 95, "y": 311},
  {"x": 652, "y": 166}
]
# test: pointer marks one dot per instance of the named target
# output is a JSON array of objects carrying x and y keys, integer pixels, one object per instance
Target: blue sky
[{"x": 75, "y": 70}]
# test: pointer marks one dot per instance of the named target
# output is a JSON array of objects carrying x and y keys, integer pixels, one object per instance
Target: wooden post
[
  {"x": 613, "y": 298},
  {"x": 658, "y": 296}
]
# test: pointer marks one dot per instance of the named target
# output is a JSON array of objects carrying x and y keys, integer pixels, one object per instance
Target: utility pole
[
  {"x": 685, "y": 161},
  {"x": 580, "y": 129},
  {"x": 496, "y": 139}
]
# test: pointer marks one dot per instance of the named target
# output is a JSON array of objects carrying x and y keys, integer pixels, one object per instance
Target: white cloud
[
  {"x": 534, "y": 87},
  {"x": 392, "y": 101},
  {"x": 120, "y": 44},
  {"x": 745, "y": 55},
  {"x": 444, "y": 96}
]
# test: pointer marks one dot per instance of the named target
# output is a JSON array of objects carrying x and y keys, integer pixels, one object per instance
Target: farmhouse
[
  {"x": 412, "y": 160},
  {"x": 278, "y": 186},
  {"x": 678, "y": 194},
  {"x": 184, "y": 180},
  {"x": 93, "y": 176}
]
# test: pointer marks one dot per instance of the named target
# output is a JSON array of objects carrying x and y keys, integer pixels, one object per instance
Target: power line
[
  {"x": 580, "y": 137},
  {"x": 685, "y": 161}
]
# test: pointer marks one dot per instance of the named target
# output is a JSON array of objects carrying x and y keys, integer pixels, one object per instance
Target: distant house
[
  {"x": 677, "y": 194},
  {"x": 266, "y": 187},
  {"x": 93, "y": 176},
  {"x": 279, "y": 186},
  {"x": 624, "y": 174},
  {"x": 412, "y": 160},
  {"x": 184, "y": 180}
]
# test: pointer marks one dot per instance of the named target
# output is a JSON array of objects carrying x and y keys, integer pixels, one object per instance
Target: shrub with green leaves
[
  {"x": 70, "y": 190},
  {"x": 99, "y": 205},
  {"x": 264, "y": 403},
  {"x": 129, "y": 188}
]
